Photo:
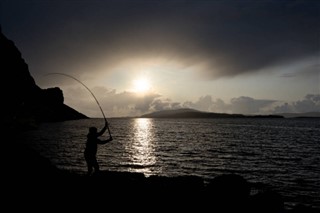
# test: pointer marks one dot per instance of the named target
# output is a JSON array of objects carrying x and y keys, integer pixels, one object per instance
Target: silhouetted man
[{"x": 92, "y": 147}]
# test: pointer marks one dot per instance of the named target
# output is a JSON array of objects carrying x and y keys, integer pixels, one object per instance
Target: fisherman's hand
[
  {"x": 111, "y": 138},
  {"x": 106, "y": 124}
]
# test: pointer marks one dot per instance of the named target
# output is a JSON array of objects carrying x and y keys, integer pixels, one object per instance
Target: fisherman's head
[{"x": 93, "y": 130}]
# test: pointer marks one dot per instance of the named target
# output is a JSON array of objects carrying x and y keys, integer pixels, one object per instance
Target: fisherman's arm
[
  {"x": 103, "y": 129},
  {"x": 105, "y": 141}
]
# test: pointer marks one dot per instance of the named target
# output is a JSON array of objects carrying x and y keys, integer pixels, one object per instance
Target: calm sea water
[{"x": 283, "y": 154}]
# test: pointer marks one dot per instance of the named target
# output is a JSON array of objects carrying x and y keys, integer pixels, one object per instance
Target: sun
[{"x": 141, "y": 85}]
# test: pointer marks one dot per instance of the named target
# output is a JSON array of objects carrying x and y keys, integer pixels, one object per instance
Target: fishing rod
[{"x": 105, "y": 119}]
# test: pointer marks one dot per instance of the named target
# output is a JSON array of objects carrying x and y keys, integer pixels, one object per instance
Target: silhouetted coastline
[{"x": 192, "y": 113}]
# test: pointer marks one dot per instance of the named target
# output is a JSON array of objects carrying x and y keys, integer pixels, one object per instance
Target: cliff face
[{"x": 25, "y": 104}]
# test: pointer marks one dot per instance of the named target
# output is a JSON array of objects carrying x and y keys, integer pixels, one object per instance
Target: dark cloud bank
[{"x": 226, "y": 38}]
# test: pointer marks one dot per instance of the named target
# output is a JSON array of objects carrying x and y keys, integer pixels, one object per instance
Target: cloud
[
  {"x": 310, "y": 103},
  {"x": 204, "y": 103},
  {"x": 158, "y": 105},
  {"x": 241, "y": 105},
  {"x": 220, "y": 38},
  {"x": 112, "y": 103},
  {"x": 123, "y": 104},
  {"x": 248, "y": 105},
  {"x": 307, "y": 68}
]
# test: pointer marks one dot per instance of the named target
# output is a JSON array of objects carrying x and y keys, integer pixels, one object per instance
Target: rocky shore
[{"x": 33, "y": 179}]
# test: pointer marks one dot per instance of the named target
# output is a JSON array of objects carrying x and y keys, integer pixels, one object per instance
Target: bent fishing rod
[{"x": 105, "y": 119}]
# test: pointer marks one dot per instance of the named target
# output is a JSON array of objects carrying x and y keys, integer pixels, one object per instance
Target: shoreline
[
  {"x": 31, "y": 176},
  {"x": 225, "y": 193}
]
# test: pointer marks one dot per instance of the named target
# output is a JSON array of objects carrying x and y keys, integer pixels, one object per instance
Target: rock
[{"x": 24, "y": 103}]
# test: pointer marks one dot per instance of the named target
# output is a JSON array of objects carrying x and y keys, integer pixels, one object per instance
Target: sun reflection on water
[{"x": 142, "y": 146}]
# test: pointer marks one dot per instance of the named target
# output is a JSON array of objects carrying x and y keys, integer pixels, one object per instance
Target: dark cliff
[{"x": 25, "y": 104}]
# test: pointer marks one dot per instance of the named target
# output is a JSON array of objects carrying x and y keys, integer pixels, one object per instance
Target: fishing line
[{"x": 57, "y": 73}]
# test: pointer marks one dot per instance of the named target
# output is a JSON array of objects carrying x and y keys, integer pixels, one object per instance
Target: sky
[{"x": 136, "y": 57}]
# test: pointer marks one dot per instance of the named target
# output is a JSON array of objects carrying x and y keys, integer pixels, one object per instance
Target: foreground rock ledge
[{"x": 225, "y": 193}]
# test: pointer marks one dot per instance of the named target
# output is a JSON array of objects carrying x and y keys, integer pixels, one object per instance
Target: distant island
[
  {"x": 192, "y": 113},
  {"x": 301, "y": 115}
]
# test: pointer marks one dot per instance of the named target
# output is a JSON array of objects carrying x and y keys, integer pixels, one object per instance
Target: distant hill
[
  {"x": 192, "y": 113},
  {"x": 301, "y": 115}
]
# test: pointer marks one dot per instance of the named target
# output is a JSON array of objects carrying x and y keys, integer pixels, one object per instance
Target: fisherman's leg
[
  {"x": 96, "y": 166},
  {"x": 89, "y": 167},
  {"x": 89, "y": 162},
  {"x": 90, "y": 170}
]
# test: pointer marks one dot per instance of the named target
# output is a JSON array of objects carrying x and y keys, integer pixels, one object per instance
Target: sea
[{"x": 282, "y": 154}]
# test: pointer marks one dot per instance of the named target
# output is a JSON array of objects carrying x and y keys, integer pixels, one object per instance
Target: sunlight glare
[
  {"x": 142, "y": 147},
  {"x": 141, "y": 85}
]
